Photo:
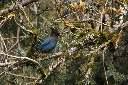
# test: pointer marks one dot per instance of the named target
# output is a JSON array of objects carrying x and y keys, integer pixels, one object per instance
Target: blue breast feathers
[{"x": 48, "y": 45}]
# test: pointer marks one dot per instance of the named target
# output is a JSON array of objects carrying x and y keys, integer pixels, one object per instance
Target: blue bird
[{"x": 50, "y": 43}]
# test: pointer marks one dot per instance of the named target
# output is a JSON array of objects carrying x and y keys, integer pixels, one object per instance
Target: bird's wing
[{"x": 46, "y": 42}]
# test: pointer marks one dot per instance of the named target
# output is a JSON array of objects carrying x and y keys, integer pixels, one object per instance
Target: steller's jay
[{"x": 49, "y": 44}]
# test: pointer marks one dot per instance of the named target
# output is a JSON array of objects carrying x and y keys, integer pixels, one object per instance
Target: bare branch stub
[{"x": 26, "y": 2}]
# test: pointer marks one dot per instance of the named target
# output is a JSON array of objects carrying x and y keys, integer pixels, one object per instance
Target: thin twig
[
  {"x": 18, "y": 35},
  {"x": 3, "y": 42}
]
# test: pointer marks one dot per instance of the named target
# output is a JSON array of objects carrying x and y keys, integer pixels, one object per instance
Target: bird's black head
[{"x": 55, "y": 32}]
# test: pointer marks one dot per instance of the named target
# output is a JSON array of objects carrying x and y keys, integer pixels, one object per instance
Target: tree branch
[
  {"x": 18, "y": 57},
  {"x": 22, "y": 76},
  {"x": 13, "y": 7}
]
